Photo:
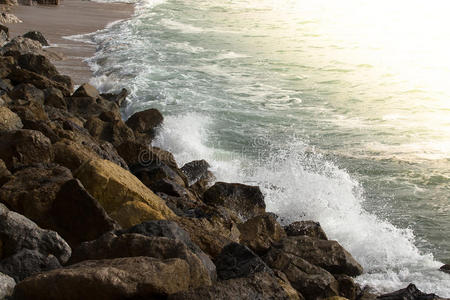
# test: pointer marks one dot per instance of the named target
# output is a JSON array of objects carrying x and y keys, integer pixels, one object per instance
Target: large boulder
[
  {"x": 328, "y": 255},
  {"x": 309, "y": 228},
  {"x": 445, "y": 268},
  {"x": 348, "y": 287},
  {"x": 263, "y": 286},
  {"x": 311, "y": 281},
  {"x": 237, "y": 260},
  {"x": 145, "y": 121},
  {"x": 22, "y": 45},
  {"x": 86, "y": 90},
  {"x": 109, "y": 127},
  {"x": 7, "y": 285},
  {"x": 247, "y": 201},
  {"x": 33, "y": 190},
  {"x": 260, "y": 232},
  {"x": 121, "y": 194},
  {"x": 54, "y": 97},
  {"x": 37, "y": 36},
  {"x": 9, "y": 120},
  {"x": 26, "y": 248},
  {"x": 109, "y": 279},
  {"x": 38, "y": 64},
  {"x": 130, "y": 245},
  {"x": 411, "y": 292},
  {"x": 77, "y": 216},
  {"x": 195, "y": 170},
  {"x": 28, "y": 92}
]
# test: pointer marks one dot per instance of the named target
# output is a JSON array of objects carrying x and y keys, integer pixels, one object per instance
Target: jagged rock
[
  {"x": 171, "y": 230},
  {"x": 33, "y": 190},
  {"x": 7, "y": 285},
  {"x": 54, "y": 97},
  {"x": 6, "y": 17},
  {"x": 22, "y": 45},
  {"x": 445, "y": 268},
  {"x": 122, "y": 195},
  {"x": 4, "y": 29},
  {"x": 311, "y": 281},
  {"x": 7, "y": 65},
  {"x": 114, "y": 131},
  {"x": 145, "y": 121},
  {"x": 5, "y": 174},
  {"x": 109, "y": 279},
  {"x": 135, "y": 153},
  {"x": 195, "y": 171},
  {"x": 37, "y": 36},
  {"x": 30, "y": 113},
  {"x": 18, "y": 233},
  {"x": 347, "y": 287},
  {"x": 9, "y": 120},
  {"x": 28, "y": 92},
  {"x": 286, "y": 285},
  {"x": 411, "y": 292},
  {"x": 28, "y": 262},
  {"x": 247, "y": 201},
  {"x": 78, "y": 217},
  {"x": 130, "y": 245},
  {"x": 237, "y": 261},
  {"x": 86, "y": 90},
  {"x": 309, "y": 228},
  {"x": 24, "y": 147},
  {"x": 261, "y": 286},
  {"x": 117, "y": 98},
  {"x": 260, "y": 232},
  {"x": 328, "y": 255},
  {"x": 90, "y": 107}
]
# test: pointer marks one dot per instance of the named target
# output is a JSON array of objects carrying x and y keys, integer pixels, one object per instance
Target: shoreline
[{"x": 71, "y": 17}]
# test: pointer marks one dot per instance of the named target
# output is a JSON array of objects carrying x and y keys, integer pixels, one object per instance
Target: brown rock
[
  {"x": 9, "y": 120},
  {"x": 260, "y": 232},
  {"x": 411, "y": 292},
  {"x": 38, "y": 64},
  {"x": 348, "y": 288},
  {"x": 7, "y": 64},
  {"x": 37, "y": 36},
  {"x": 120, "y": 278},
  {"x": 113, "y": 131},
  {"x": 28, "y": 92},
  {"x": 24, "y": 147},
  {"x": 145, "y": 121},
  {"x": 5, "y": 176},
  {"x": 309, "y": 228},
  {"x": 54, "y": 97},
  {"x": 86, "y": 90}
]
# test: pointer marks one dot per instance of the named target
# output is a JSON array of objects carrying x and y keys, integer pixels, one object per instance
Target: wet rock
[
  {"x": 328, "y": 255},
  {"x": 121, "y": 194},
  {"x": 135, "y": 153},
  {"x": 347, "y": 287},
  {"x": 260, "y": 232},
  {"x": 309, "y": 228},
  {"x": 237, "y": 261},
  {"x": 145, "y": 121},
  {"x": 7, "y": 285},
  {"x": 411, "y": 292},
  {"x": 445, "y": 268},
  {"x": 247, "y": 201},
  {"x": 33, "y": 190},
  {"x": 195, "y": 171},
  {"x": 37, "y": 36},
  {"x": 119, "y": 98},
  {"x": 9, "y": 120},
  {"x": 262, "y": 286},
  {"x": 24, "y": 147},
  {"x": 311, "y": 281},
  {"x": 120, "y": 278},
  {"x": 131, "y": 245},
  {"x": 78, "y": 216}
]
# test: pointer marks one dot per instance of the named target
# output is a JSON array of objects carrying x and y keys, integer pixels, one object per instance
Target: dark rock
[
  {"x": 237, "y": 261},
  {"x": 309, "y": 228},
  {"x": 86, "y": 90},
  {"x": 9, "y": 120},
  {"x": 411, "y": 292},
  {"x": 311, "y": 281},
  {"x": 115, "y": 131},
  {"x": 145, "y": 121},
  {"x": 44, "y": 127},
  {"x": 33, "y": 190},
  {"x": 54, "y": 97},
  {"x": 247, "y": 201},
  {"x": 22, "y": 45},
  {"x": 28, "y": 92},
  {"x": 26, "y": 263},
  {"x": 195, "y": 170},
  {"x": 5, "y": 174},
  {"x": 5, "y": 85},
  {"x": 261, "y": 286},
  {"x": 445, "y": 268},
  {"x": 7, "y": 65},
  {"x": 7, "y": 285},
  {"x": 347, "y": 287},
  {"x": 172, "y": 230},
  {"x": 109, "y": 279},
  {"x": 24, "y": 147},
  {"x": 117, "y": 98},
  {"x": 260, "y": 232},
  {"x": 78, "y": 216},
  {"x": 328, "y": 255},
  {"x": 37, "y": 36},
  {"x": 135, "y": 153},
  {"x": 38, "y": 64},
  {"x": 4, "y": 29}
]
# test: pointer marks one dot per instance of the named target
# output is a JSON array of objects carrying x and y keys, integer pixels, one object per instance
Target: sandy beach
[{"x": 71, "y": 17}]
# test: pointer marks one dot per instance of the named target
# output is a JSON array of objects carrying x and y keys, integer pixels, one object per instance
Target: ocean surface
[{"x": 338, "y": 110}]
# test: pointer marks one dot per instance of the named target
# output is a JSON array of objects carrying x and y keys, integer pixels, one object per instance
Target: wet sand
[{"x": 71, "y": 17}]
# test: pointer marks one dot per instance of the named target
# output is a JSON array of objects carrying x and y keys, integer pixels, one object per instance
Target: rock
[
  {"x": 24, "y": 147},
  {"x": 120, "y": 278},
  {"x": 172, "y": 230},
  {"x": 38, "y": 64},
  {"x": 3, "y": 37},
  {"x": 54, "y": 97},
  {"x": 260, "y": 232},
  {"x": 113, "y": 131},
  {"x": 7, "y": 285},
  {"x": 5, "y": 30},
  {"x": 122, "y": 195},
  {"x": 37, "y": 36},
  {"x": 286, "y": 285},
  {"x": 5, "y": 85},
  {"x": 5, "y": 174},
  {"x": 86, "y": 90},
  {"x": 247, "y": 201},
  {"x": 9, "y": 120},
  {"x": 30, "y": 113},
  {"x": 89, "y": 107},
  {"x": 22, "y": 45},
  {"x": 311, "y": 281},
  {"x": 28, "y": 92},
  {"x": 145, "y": 121},
  {"x": 309, "y": 228},
  {"x": 131, "y": 245},
  {"x": 33, "y": 190},
  {"x": 78, "y": 216},
  {"x": 336, "y": 298},
  {"x": 135, "y": 153},
  {"x": 195, "y": 170},
  {"x": 18, "y": 233},
  {"x": 445, "y": 268},
  {"x": 26, "y": 263},
  {"x": 117, "y": 98},
  {"x": 7, "y": 65},
  {"x": 237, "y": 261},
  {"x": 328, "y": 255},
  {"x": 347, "y": 287},
  {"x": 5, "y": 17},
  {"x": 261, "y": 286},
  {"x": 367, "y": 294},
  {"x": 411, "y": 292}
]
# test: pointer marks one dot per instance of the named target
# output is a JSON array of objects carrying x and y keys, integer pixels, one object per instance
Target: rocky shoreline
[{"x": 88, "y": 210}]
